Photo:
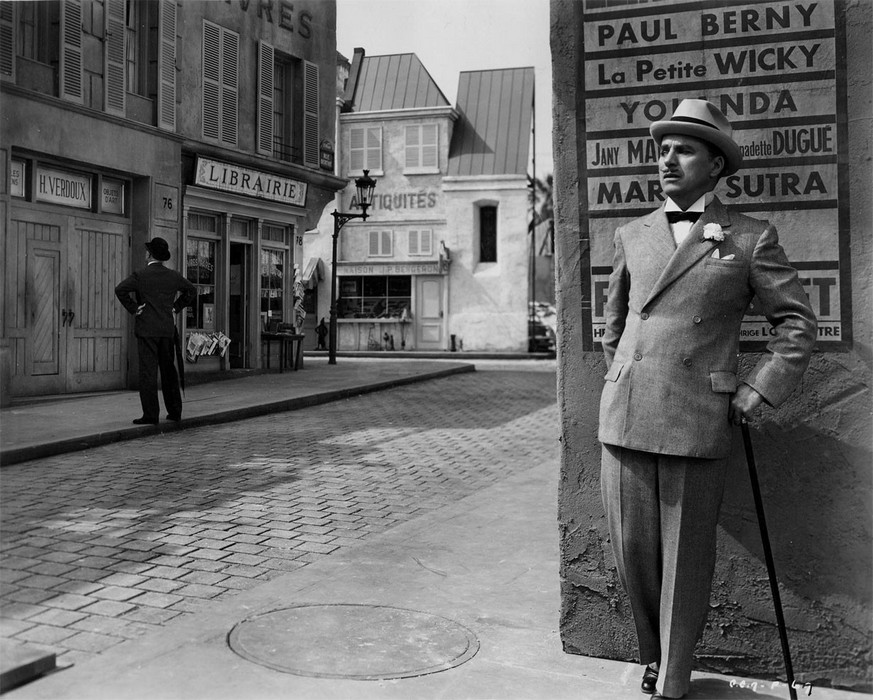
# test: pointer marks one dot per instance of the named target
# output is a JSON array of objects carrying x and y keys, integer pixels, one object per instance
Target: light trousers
[{"x": 663, "y": 512}]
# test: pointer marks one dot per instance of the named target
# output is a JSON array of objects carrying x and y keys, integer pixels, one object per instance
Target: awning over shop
[{"x": 313, "y": 273}]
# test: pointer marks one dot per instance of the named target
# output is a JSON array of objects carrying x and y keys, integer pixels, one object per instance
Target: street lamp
[{"x": 364, "y": 186}]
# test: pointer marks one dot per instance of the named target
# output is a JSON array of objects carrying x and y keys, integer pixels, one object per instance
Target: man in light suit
[
  {"x": 683, "y": 277},
  {"x": 158, "y": 294}
]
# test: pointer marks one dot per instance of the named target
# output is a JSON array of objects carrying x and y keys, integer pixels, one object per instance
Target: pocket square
[{"x": 715, "y": 254}]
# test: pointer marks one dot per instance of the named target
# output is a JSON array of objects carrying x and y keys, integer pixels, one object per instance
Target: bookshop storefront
[{"x": 241, "y": 237}]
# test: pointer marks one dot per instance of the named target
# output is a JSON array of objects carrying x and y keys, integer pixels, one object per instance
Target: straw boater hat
[
  {"x": 704, "y": 121},
  {"x": 159, "y": 249}
]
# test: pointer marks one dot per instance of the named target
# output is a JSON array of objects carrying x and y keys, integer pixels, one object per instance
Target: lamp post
[{"x": 364, "y": 186}]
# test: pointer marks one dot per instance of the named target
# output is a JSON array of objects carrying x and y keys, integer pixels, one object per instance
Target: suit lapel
[
  {"x": 692, "y": 249},
  {"x": 654, "y": 244}
]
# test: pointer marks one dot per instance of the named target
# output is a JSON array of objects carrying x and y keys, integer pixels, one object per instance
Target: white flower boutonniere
[{"x": 713, "y": 232}]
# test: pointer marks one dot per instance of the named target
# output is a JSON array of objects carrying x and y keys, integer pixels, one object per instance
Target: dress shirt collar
[{"x": 698, "y": 206}]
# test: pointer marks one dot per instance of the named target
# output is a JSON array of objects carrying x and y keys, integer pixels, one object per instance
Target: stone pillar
[{"x": 814, "y": 453}]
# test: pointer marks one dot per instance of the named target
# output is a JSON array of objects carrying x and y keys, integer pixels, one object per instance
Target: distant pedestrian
[
  {"x": 321, "y": 331},
  {"x": 682, "y": 279},
  {"x": 154, "y": 295}
]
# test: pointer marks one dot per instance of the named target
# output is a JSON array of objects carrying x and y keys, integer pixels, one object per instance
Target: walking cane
[{"x": 768, "y": 556}]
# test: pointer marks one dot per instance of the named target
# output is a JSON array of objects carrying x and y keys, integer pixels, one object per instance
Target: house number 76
[{"x": 168, "y": 203}]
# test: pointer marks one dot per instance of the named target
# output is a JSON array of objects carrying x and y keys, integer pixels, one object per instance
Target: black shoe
[
  {"x": 144, "y": 421},
  {"x": 174, "y": 418},
  {"x": 650, "y": 678}
]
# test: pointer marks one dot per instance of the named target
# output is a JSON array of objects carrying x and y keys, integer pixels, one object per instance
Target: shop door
[
  {"x": 429, "y": 313},
  {"x": 96, "y": 334},
  {"x": 238, "y": 317},
  {"x": 64, "y": 325}
]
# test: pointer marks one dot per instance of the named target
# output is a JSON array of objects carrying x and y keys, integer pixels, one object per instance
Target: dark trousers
[
  {"x": 155, "y": 354},
  {"x": 663, "y": 513}
]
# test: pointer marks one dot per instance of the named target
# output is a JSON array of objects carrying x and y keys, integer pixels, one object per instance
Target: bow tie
[{"x": 674, "y": 216}]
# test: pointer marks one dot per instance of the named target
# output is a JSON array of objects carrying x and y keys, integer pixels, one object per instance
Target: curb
[{"x": 51, "y": 449}]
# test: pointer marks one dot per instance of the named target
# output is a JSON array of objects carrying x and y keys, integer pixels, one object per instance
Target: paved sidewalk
[
  {"x": 44, "y": 428},
  {"x": 487, "y": 562}
]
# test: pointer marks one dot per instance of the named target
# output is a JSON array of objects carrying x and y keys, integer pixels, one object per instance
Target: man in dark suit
[
  {"x": 682, "y": 280},
  {"x": 154, "y": 295}
]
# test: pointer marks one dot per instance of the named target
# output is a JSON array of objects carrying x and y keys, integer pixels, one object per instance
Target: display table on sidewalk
[{"x": 286, "y": 342}]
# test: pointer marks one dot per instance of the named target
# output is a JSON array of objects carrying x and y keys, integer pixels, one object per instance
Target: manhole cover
[{"x": 364, "y": 642}]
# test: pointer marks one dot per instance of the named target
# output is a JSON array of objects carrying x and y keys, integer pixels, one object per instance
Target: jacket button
[
  {"x": 637, "y": 356},
  {"x": 697, "y": 319},
  {"x": 644, "y": 316},
  {"x": 686, "y": 361}
]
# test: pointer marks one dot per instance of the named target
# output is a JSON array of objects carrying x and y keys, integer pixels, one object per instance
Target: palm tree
[{"x": 542, "y": 211}]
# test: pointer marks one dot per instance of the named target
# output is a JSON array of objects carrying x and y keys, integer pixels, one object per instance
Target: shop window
[
  {"x": 240, "y": 228},
  {"x": 200, "y": 271},
  {"x": 381, "y": 244},
  {"x": 365, "y": 149},
  {"x": 421, "y": 149},
  {"x": 374, "y": 296},
  {"x": 487, "y": 234},
  {"x": 421, "y": 242},
  {"x": 220, "y": 84},
  {"x": 272, "y": 286},
  {"x": 37, "y": 36},
  {"x": 277, "y": 234}
]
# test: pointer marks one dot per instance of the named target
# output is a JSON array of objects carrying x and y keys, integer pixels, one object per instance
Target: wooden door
[
  {"x": 65, "y": 328},
  {"x": 97, "y": 339},
  {"x": 429, "y": 313},
  {"x": 35, "y": 267}
]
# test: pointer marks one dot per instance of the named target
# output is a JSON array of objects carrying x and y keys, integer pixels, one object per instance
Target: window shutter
[
  {"x": 113, "y": 59},
  {"x": 374, "y": 148},
  {"x": 374, "y": 242},
  {"x": 429, "y": 137},
  {"x": 229, "y": 86},
  {"x": 412, "y": 143},
  {"x": 167, "y": 65},
  {"x": 71, "y": 52},
  {"x": 425, "y": 238},
  {"x": 413, "y": 242},
  {"x": 211, "y": 76},
  {"x": 386, "y": 242},
  {"x": 310, "y": 114},
  {"x": 7, "y": 40},
  {"x": 265, "y": 98},
  {"x": 356, "y": 149}
]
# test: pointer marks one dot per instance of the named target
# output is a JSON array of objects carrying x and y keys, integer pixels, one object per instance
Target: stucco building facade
[
  {"x": 209, "y": 124},
  {"x": 805, "y": 127},
  {"x": 441, "y": 263}
]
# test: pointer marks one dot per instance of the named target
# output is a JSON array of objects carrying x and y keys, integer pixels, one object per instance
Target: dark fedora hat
[
  {"x": 704, "y": 121},
  {"x": 159, "y": 249}
]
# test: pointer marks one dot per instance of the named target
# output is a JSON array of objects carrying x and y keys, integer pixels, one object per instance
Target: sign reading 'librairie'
[
  {"x": 252, "y": 183},
  {"x": 774, "y": 69}
]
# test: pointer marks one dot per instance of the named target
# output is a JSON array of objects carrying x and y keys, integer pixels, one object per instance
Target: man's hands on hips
[{"x": 743, "y": 403}]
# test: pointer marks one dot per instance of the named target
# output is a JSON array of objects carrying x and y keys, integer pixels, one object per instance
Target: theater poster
[{"x": 776, "y": 69}]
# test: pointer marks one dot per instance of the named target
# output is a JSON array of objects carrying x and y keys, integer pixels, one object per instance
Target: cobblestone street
[{"x": 108, "y": 544}]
